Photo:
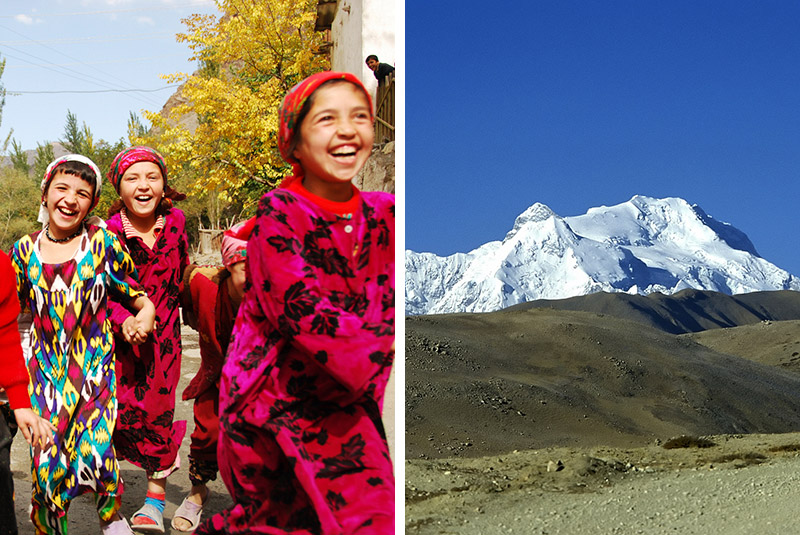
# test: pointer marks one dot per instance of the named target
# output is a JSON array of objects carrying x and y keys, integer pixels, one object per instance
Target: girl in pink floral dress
[
  {"x": 149, "y": 369},
  {"x": 302, "y": 449}
]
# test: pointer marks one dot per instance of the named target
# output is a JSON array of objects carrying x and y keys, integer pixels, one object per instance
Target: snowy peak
[
  {"x": 535, "y": 214},
  {"x": 643, "y": 245}
]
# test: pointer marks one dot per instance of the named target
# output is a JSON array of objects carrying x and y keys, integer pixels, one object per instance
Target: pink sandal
[
  {"x": 190, "y": 512},
  {"x": 119, "y": 526}
]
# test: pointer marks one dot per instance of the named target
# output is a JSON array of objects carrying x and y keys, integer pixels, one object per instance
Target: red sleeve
[
  {"x": 13, "y": 373},
  {"x": 204, "y": 293}
]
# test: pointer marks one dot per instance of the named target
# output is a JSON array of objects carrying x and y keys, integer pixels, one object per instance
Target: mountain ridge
[{"x": 642, "y": 246}]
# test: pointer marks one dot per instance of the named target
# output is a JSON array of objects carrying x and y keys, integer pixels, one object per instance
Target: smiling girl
[
  {"x": 149, "y": 368},
  {"x": 64, "y": 275},
  {"x": 301, "y": 444}
]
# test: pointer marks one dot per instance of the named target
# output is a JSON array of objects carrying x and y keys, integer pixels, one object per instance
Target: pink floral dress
[
  {"x": 148, "y": 374},
  {"x": 302, "y": 448}
]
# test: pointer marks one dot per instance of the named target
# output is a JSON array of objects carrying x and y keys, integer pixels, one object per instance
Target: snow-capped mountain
[{"x": 641, "y": 246}]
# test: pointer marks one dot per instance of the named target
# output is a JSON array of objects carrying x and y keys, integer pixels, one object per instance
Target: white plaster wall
[{"x": 361, "y": 28}]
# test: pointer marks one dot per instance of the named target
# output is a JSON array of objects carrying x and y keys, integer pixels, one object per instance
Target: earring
[{"x": 44, "y": 203}]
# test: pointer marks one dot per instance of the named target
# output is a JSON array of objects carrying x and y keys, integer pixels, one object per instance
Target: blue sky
[
  {"x": 65, "y": 48},
  {"x": 577, "y": 104}
]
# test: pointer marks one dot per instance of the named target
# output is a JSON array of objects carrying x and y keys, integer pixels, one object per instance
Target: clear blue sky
[
  {"x": 57, "y": 50},
  {"x": 577, "y": 104}
]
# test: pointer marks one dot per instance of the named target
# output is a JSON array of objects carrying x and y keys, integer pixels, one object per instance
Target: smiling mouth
[
  {"x": 143, "y": 198},
  {"x": 68, "y": 213},
  {"x": 347, "y": 152}
]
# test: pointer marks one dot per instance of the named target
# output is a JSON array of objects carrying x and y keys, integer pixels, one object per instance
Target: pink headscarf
[
  {"x": 234, "y": 242},
  {"x": 292, "y": 105},
  {"x": 133, "y": 155}
]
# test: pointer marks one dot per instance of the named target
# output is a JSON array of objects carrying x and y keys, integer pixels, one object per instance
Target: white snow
[{"x": 640, "y": 246}]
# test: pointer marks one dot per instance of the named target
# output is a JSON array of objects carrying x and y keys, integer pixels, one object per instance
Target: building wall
[{"x": 361, "y": 28}]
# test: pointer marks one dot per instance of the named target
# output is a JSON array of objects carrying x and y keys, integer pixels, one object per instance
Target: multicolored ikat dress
[
  {"x": 302, "y": 448},
  {"x": 147, "y": 434},
  {"x": 72, "y": 364}
]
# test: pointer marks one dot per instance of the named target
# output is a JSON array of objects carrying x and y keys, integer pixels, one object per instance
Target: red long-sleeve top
[{"x": 13, "y": 373}]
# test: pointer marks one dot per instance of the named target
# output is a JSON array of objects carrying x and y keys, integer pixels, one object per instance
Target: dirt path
[
  {"x": 82, "y": 515},
  {"x": 743, "y": 485}
]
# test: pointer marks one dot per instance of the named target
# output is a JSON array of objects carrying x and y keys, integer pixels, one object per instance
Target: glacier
[{"x": 640, "y": 246}]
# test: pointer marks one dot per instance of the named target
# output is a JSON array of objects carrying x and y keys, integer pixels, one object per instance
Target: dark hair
[
  {"x": 74, "y": 168},
  {"x": 307, "y": 107},
  {"x": 371, "y": 56}
]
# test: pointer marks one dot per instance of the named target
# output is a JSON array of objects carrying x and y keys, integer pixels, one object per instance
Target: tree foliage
[
  {"x": 19, "y": 158},
  {"x": 78, "y": 139},
  {"x": 19, "y": 206},
  {"x": 250, "y": 58},
  {"x": 44, "y": 155},
  {"x": 2, "y": 105}
]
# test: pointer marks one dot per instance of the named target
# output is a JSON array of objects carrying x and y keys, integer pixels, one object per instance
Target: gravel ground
[
  {"x": 757, "y": 499},
  {"x": 746, "y": 485}
]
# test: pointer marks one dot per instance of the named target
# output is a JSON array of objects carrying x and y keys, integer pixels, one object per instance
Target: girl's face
[
  {"x": 335, "y": 139},
  {"x": 141, "y": 189},
  {"x": 238, "y": 277},
  {"x": 68, "y": 199}
]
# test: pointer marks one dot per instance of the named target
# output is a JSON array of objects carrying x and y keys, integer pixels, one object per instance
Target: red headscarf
[
  {"x": 292, "y": 105},
  {"x": 234, "y": 242},
  {"x": 133, "y": 155}
]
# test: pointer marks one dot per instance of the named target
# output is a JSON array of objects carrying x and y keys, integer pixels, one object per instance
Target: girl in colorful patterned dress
[
  {"x": 302, "y": 448},
  {"x": 64, "y": 275},
  {"x": 210, "y": 299},
  {"x": 154, "y": 234}
]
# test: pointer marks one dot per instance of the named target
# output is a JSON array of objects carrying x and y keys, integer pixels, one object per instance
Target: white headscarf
[{"x": 44, "y": 217}]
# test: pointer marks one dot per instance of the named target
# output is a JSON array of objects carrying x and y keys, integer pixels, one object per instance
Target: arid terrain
[{"x": 563, "y": 421}]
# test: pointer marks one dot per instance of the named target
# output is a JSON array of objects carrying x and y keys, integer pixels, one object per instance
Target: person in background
[
  {"x": 302, "y": 447},
  {"x": 210, "y": 301},
  {"x": 380, "y": 70}
]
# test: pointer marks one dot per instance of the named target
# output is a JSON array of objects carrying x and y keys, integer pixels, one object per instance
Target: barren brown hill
[
  {"x": 684, "y": 312},
  {"x": 775, "y": 343},
  {"x": 486, "y": 384}
]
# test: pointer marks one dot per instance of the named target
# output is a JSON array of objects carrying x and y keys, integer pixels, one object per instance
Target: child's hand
[
  {"x": 141, "y": 325},
  {"x": 129, "y": 330},
  {"x": 34, "y": 428},
  {"x": 146, "y": 320},
  {"x": 143, "y": 330}
]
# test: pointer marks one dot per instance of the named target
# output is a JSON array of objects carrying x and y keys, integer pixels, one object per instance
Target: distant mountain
[
  {"x": 642, "y": 246},
  {"x": 58, "y": 151}
]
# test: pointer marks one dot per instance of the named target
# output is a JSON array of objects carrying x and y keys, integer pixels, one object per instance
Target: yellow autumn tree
[{"x": 251, "y": 56}]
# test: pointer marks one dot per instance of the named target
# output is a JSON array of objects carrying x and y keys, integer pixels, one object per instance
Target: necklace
[{"x": 62, "y": 240}]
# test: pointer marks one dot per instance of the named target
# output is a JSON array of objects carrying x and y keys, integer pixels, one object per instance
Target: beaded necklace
[{"x": 62, "y": 240}]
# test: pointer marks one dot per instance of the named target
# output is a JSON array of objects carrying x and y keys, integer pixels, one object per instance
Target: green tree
[
  {"x": 44, "y": 155},
  {"x": 78, "y": 139},
  {"x": 135, "y": 127},
  {"x": 74, "y": 140},
  {"x": 250, "y": 58},
  {"x": 2, "y": 105},
  {"x": 19, "y": 158},
  {"x": 19, "y": 206}
]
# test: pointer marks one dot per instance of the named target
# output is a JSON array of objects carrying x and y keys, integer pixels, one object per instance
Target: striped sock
[{"x": 156, "y": 500}]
